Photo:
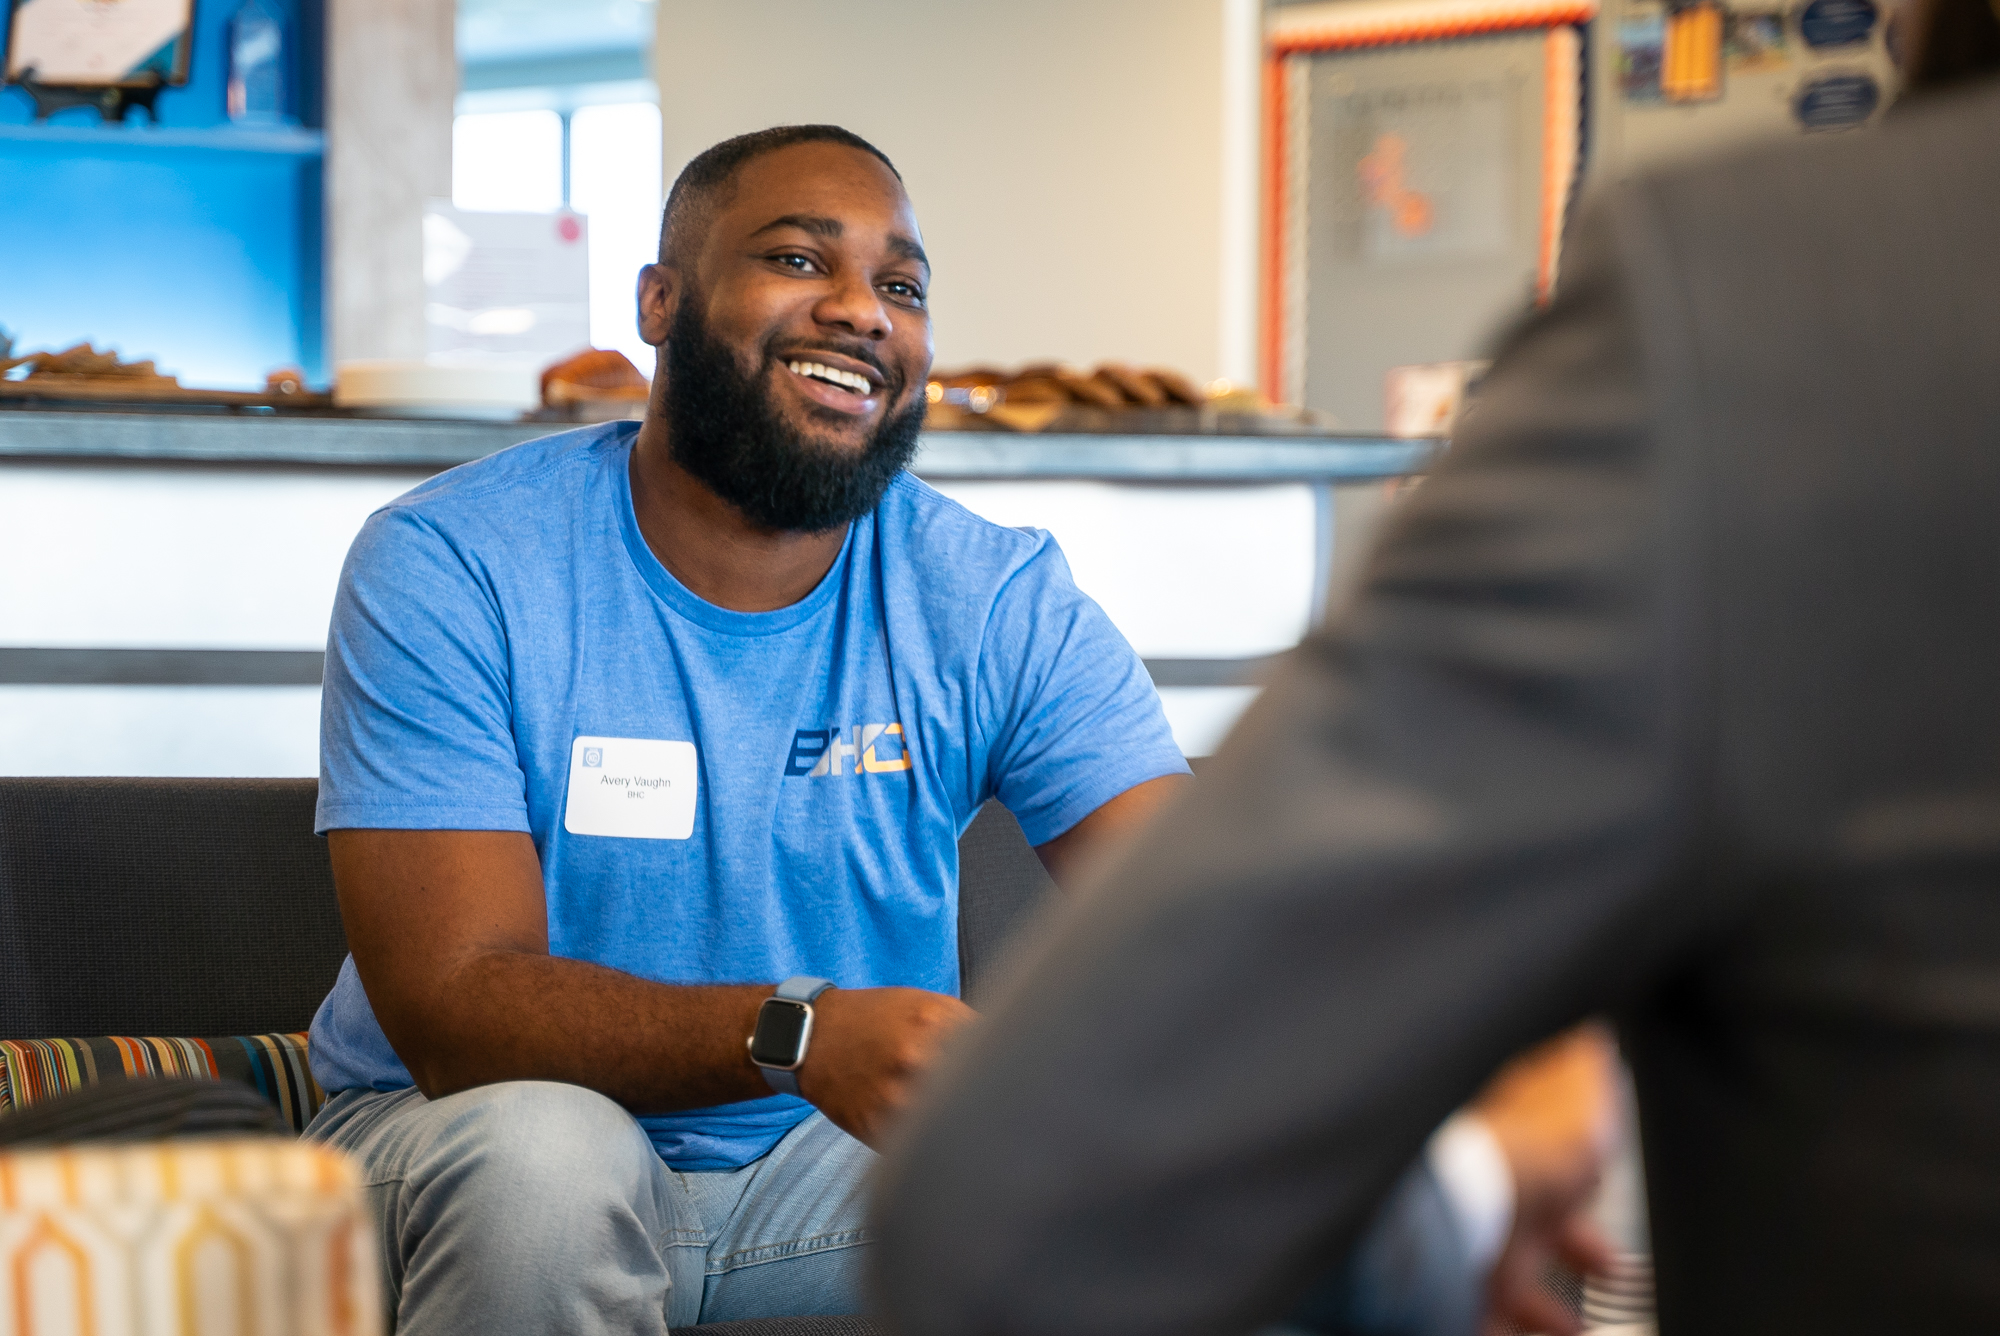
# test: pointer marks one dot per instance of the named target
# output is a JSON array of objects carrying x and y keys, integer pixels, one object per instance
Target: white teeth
[{"x": 846, "y": 380}]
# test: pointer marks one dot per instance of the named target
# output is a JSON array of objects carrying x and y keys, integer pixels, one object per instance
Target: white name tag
[{"x": 635, "y": 788}]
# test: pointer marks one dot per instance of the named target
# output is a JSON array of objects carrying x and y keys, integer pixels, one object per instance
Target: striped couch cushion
[{"x": 32, "y": 1070}]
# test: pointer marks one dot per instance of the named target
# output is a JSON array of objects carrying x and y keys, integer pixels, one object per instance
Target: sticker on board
[
  {"x": 1691, "y": 60},
  {"x": 1754, "y": 41},
  {"x": 1642, "y": 41},
  {"x": 1830, "y": 23},
  {"x": 1837, "y": 101}
]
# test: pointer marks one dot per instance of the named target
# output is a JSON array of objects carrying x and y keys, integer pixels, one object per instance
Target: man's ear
[{"x": 659, "y": 296}]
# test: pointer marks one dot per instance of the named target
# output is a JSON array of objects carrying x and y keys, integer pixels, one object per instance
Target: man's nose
[{"x": 854, "y": 305}]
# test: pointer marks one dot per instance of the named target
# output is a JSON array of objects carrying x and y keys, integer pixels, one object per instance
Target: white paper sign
[
  {"x": 631, "y": 788},
  {"x": 505, "y": 287}
]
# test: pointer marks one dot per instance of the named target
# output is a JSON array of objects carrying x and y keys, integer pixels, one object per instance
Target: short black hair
[{"x": 714, "y": 168}]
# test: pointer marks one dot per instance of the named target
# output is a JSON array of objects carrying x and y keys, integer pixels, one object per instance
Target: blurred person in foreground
[
  {"x": 645, "y": 753},
  {"x": 1670, "y": 695}
]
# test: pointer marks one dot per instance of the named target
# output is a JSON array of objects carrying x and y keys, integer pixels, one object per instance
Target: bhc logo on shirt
[{"x": 821, "y": 752}]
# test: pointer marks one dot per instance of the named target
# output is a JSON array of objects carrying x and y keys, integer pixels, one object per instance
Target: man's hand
[
  {"x": 1554, "y": 1112},
  {"x": 868, "y": 1047}
]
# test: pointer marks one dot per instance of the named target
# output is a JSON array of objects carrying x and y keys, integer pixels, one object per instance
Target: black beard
[{"x": 723, "y": 428}]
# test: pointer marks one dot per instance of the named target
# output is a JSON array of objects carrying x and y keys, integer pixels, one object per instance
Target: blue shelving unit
[{"x": 195, "y": 242}]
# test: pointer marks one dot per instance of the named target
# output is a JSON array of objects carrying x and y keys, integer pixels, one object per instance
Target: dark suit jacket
[{"x": 1675, "y": 693}]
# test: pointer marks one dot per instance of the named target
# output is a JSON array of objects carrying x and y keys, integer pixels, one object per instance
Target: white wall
[{"x": 1084, "y": 173}]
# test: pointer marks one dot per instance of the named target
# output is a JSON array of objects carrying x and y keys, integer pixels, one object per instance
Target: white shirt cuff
[{"x": 1473, "y": 1171}]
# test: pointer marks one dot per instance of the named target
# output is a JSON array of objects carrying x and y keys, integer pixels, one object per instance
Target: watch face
[{"x": 781, "y": 1032}]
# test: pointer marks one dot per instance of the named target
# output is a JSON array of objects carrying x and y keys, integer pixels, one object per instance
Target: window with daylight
[
  {"x": 510, "y": 161},
  {"x": 614, "y": 176}
]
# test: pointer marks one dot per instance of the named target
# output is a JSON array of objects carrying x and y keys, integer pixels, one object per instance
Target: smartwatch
[{"x": 784, "y": 1031}]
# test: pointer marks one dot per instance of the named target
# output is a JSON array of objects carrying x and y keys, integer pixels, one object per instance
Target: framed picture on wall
[
  {"x": 1422, "y": 159},
  {"x": 99, "y": 45}
]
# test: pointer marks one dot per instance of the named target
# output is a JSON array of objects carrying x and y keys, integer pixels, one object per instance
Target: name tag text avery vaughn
[{"x": 631, "y": 788}]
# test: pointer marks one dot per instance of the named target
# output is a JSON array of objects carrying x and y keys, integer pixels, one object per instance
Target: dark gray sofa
[{"x": 206, "y": 907}]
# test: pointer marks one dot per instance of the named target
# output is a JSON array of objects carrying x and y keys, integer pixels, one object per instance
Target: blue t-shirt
[{"x": 716, "y": 796}]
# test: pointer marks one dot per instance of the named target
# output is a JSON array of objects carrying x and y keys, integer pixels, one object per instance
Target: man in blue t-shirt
[{"x": 625, "y": 726}]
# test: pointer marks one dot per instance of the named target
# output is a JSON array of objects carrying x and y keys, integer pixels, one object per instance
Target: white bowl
[{"x": 386, "y": 384}]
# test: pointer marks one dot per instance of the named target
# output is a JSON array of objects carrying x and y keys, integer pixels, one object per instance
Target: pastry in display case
[
  {"x": 596, "y": 385},
  {"x": 82, "y": 374},
  {"x": 603, "y": 385},
  {"x": 1112, "y": 397}
]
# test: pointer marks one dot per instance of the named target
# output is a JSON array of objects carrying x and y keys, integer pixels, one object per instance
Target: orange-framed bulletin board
[{"x": 1414, "y": 149}]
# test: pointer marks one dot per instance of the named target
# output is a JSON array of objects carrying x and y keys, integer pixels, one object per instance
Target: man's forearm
[
  {"x": 449, "y": 932},
  {"x": 515, "y": 1016},
  {"x": 450, "y": 935}
]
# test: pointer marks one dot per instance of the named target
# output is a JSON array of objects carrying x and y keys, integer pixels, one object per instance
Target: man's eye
[
  {"x": 908, "y": 292},
  {"x": 797, "y": 263}
]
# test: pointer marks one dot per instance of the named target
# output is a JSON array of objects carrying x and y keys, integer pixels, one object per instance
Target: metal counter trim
[
  {"x": 237, "y": 438},
  {"x": 127, "y": 667}
]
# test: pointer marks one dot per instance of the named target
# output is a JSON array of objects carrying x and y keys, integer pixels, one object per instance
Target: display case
[{"x": 166, "y": 577}]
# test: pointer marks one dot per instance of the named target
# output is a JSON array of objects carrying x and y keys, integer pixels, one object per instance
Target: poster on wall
[{"x": 1423, "y": 162}]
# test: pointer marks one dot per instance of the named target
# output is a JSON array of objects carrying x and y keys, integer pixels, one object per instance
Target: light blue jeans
[
  {"x": 534, "y": 1207},
  {"x": 531, "y": 1206}
]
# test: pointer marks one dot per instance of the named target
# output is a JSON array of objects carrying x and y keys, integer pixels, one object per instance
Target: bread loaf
[
  {"x": 1177, "y": 387},
  {"x": 1091, "y": 390},
  {"x": 596, "y": 374},
  {"x": 1036, "y": 390},
  {"x": 1135, "y": 387}
]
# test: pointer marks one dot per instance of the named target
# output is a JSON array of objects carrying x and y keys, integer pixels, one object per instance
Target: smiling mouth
[{"x": 850, "y": 381}]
